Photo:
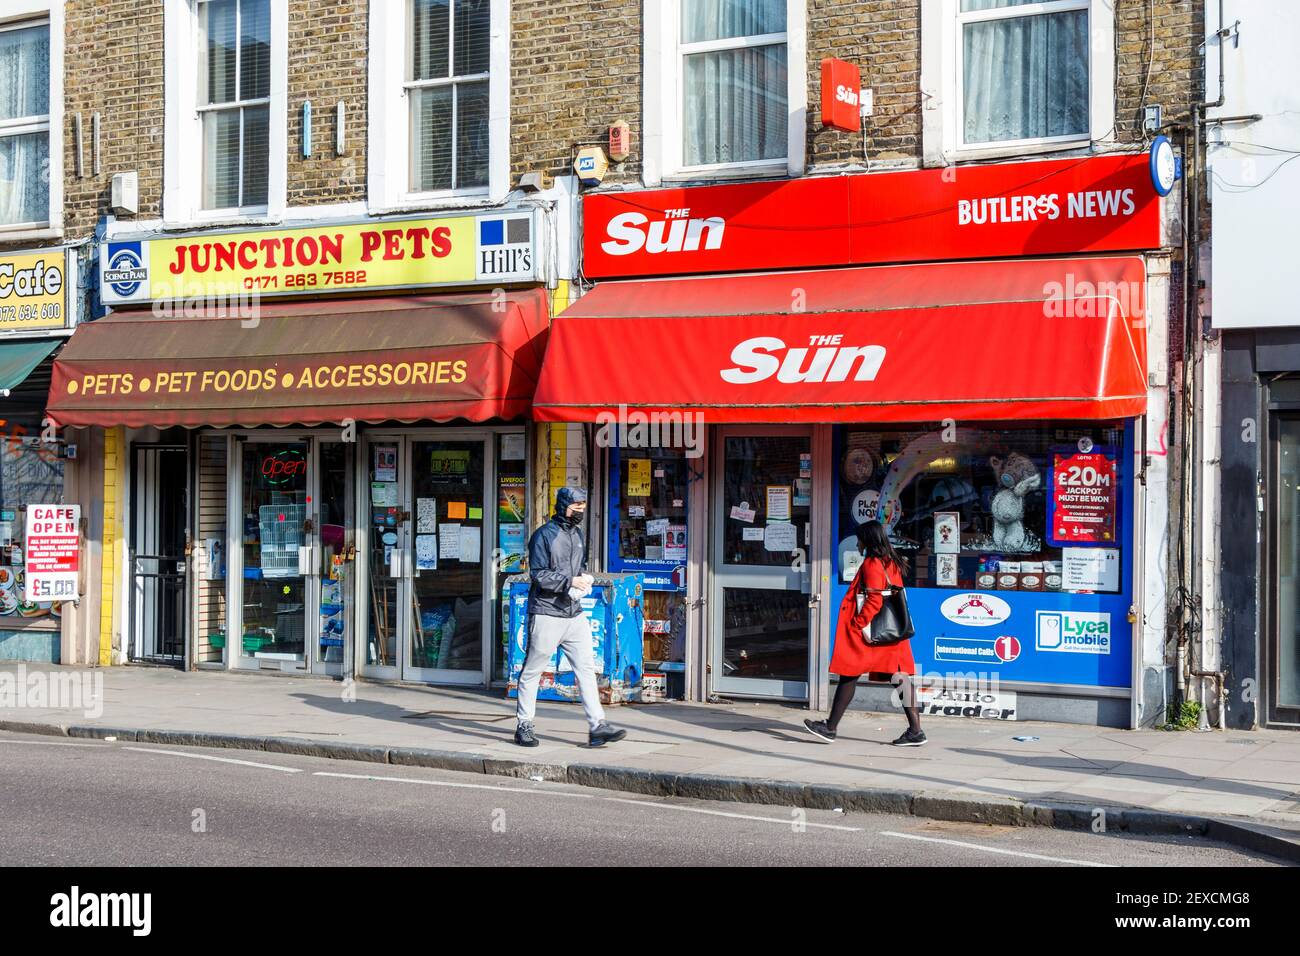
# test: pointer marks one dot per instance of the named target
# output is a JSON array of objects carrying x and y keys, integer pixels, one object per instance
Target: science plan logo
[
  {"x": 124, "y": 270},
  {"x": 1072, "y": 632}
]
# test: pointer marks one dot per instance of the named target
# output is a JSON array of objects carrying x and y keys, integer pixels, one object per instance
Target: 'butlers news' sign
[{"x": 1069, "y": 206}]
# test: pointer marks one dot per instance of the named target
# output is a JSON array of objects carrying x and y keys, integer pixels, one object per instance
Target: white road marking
[
  {"x": 990, "y": 849},
  {"x": 47, "y": 743},
  {"x": 242, "y": 763},
  {"x": 784, "y": 821},
  {"x": 497, "y": 788}
]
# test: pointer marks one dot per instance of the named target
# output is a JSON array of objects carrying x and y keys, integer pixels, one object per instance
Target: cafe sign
[
  {"x": 454, "y": 250},
  {"x": 35, "y": 289}
]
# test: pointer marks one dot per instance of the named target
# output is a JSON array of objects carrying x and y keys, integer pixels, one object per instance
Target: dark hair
[{"x": 873, "y": 542}]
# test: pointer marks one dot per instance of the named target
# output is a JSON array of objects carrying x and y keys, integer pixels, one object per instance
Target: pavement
[{"x": 1242, "y": 788}]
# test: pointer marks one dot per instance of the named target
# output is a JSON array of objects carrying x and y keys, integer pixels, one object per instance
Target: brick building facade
[
  {"x": 575, "y": 66},
  {"x": 561, "y": 71}
]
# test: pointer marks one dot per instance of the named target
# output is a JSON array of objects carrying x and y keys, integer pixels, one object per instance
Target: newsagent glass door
[{"x": 761, "y": 582}]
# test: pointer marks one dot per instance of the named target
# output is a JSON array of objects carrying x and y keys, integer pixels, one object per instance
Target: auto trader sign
[{"x": 383, "y": 254}]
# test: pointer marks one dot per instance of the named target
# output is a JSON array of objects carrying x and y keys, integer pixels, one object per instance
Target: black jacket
[{"x": 556, "y": 555}]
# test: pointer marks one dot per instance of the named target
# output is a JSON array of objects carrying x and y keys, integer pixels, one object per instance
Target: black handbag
[{"x": 893, "y": 622}]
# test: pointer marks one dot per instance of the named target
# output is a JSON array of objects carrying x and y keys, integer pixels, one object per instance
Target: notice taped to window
[
  {"x": 1090, "y": 569},
  {"x": 51, "y": 558}
]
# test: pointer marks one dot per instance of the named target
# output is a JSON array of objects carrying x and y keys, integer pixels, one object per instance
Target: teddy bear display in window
[{"x": 1016, "y": 477}]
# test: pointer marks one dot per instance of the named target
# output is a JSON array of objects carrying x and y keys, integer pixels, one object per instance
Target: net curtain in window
[
  {"x": 734, "y": 104},
  {"x": 24, "y": 92},
  {"x": 1024, "y": 77}
]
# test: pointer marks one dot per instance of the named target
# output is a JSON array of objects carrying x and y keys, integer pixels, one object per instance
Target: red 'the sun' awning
[
  {"x": 475, "y": 356},
  {"x": 1058, "y": 338}
]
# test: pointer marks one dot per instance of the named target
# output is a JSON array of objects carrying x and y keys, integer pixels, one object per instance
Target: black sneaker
[
  {"x": 605, "y": 733},
  {"x": 911, "y": 738},
  {"x": 819, "y": 730},
  {"x": 524, "y": 735}
]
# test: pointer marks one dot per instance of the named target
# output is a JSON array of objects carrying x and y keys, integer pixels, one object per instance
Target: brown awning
[{"x": 414, "y": 358}]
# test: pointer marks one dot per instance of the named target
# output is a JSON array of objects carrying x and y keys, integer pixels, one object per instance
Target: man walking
[{"x": 557, "y": 565}]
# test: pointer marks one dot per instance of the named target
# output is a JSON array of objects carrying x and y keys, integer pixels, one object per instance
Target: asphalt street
[{"x": 81, "y": 803}]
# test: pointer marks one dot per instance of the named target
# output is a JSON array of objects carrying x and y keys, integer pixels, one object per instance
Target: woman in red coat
[{"x": 882, "y": 568}]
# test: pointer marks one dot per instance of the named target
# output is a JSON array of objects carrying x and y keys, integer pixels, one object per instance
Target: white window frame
[
  {"x": 389, "y": 147},
  {"x": 663, "y": 92},
  {"x": 942, "y": 118},
  {"x": 16, "y": 15},
  {"x": 183, "y": 121}
]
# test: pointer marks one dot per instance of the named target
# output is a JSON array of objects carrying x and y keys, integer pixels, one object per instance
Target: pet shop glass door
[
  {"x": 430, "y": 555},
  {"x": 761, "y": 596},
  {"x": 293, "y": 559}
]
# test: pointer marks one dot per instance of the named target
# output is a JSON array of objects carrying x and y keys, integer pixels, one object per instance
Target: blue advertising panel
[
  {"x": 1029, "y": 627},
  {"x": 614, "y": 612}
]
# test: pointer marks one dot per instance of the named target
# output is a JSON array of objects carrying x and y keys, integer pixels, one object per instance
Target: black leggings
[{"x": 844, "y": 692}]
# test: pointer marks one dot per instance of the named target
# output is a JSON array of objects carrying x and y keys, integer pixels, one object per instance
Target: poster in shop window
[
  {"x": 52, "y": 552},
  {"x": 1083, "y": 505},
  {"x": 638, "y": 477}
]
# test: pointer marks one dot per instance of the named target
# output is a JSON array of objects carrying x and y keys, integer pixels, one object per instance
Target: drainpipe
[
  {"x": 1220, "y": 692},
  {"x": 1194, "y": 370}
]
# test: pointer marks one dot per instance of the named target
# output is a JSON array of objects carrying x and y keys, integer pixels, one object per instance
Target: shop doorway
[
  {"x": 292, "y": 560},
  {"x": 157, "y": 557},
  {"x": 1282, "y": 653},
  {"x": 446, "y": 525},
  {"x": 761, "y": 616}
]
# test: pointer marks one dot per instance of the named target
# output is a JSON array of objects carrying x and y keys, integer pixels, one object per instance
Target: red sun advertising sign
[{"x": 841, "y": 95}]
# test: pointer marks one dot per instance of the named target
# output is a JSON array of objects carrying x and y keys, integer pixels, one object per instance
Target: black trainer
[
  {"x": 819, "y": 730},
  {"x": 605, "y": 733},
  {"x": 524, "y": 735},
  {"x": 911, "y": 738}
]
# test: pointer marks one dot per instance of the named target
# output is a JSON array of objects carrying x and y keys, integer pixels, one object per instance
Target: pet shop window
[{"x": 988, "y": 506}]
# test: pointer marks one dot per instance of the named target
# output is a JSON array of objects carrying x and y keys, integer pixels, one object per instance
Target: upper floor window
[
  {"x": 226, "y": 109},
  {"x": 734, "y": 80},
  {"x": 234, "y": 88},
  {"x": 725, "y": 88},
  {"x": 25, "y": 124},
  {"x": 1024, "y": 75},
  {"x": 1008, "y": 76},
  {"x": 448, "y": 89}
]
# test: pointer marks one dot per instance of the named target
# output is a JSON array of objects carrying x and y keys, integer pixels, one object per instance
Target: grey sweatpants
[{"x": 573, "y": 636}]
